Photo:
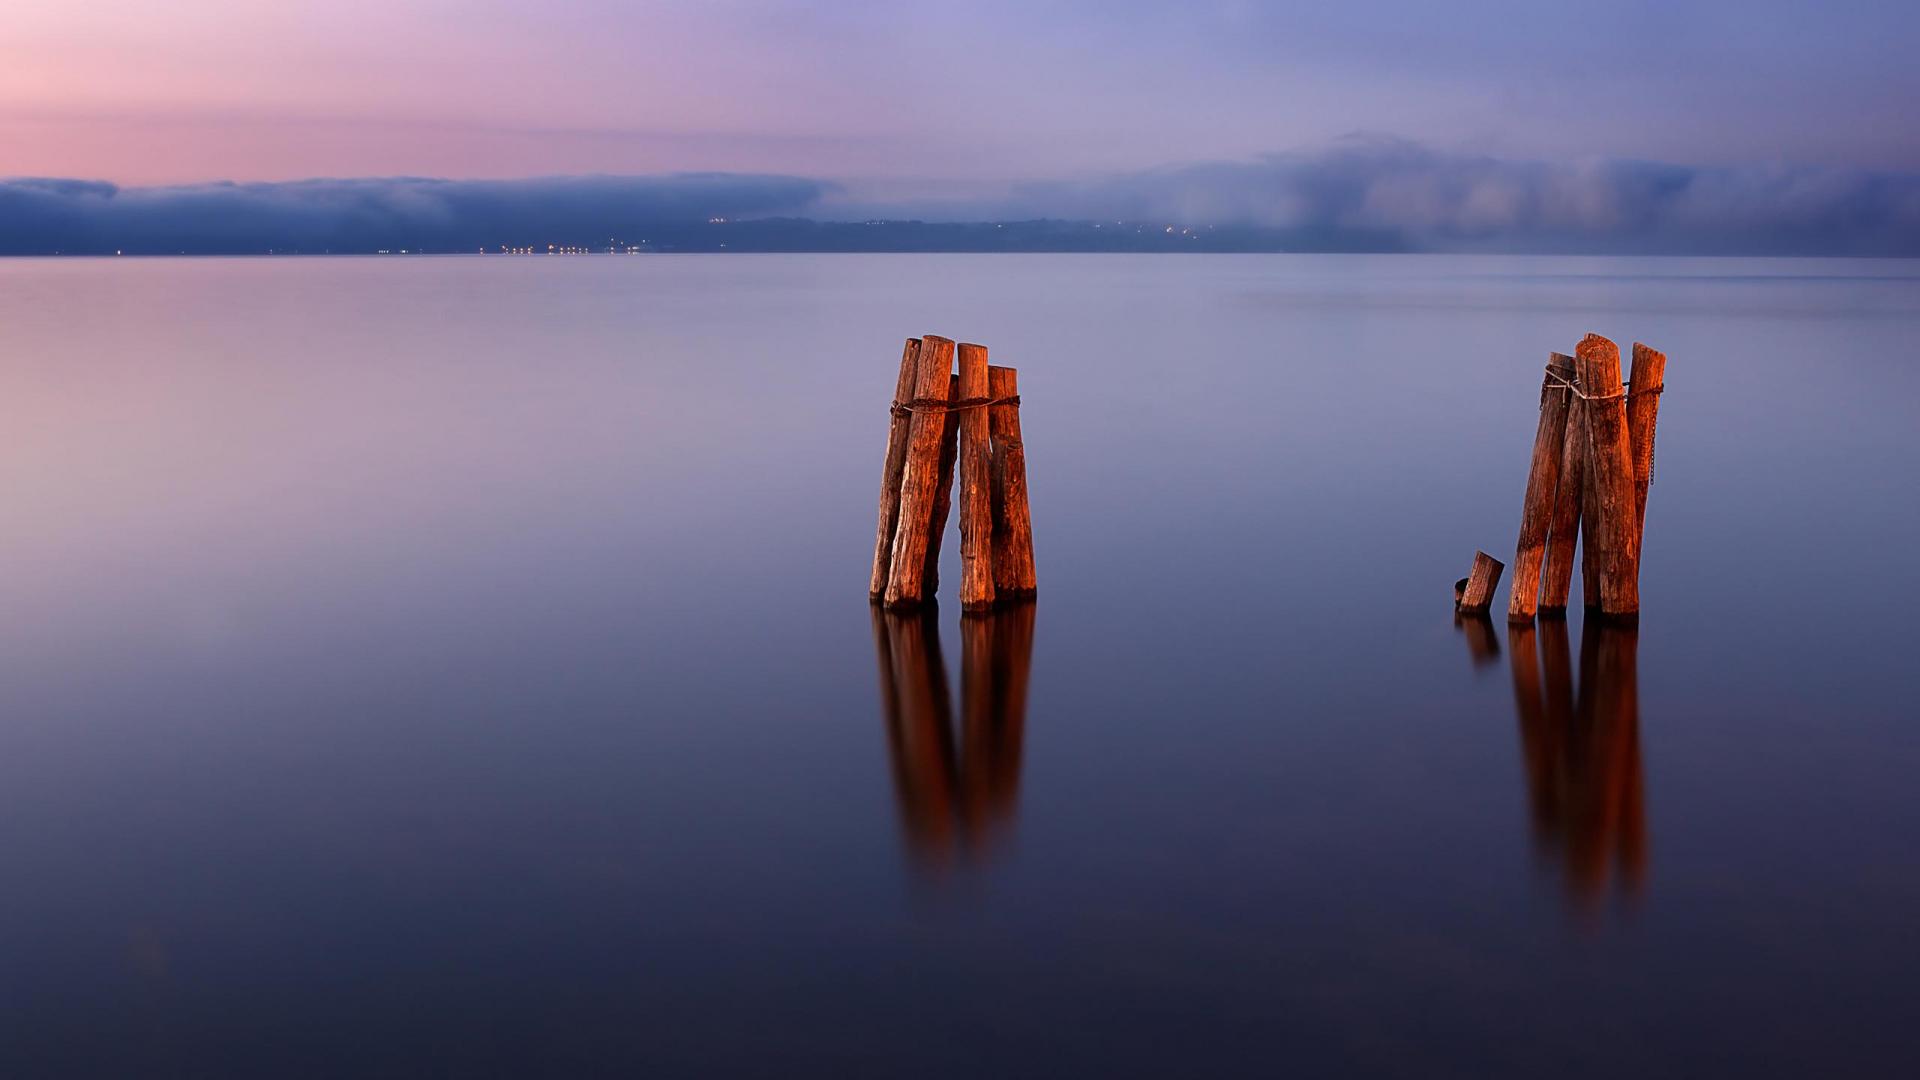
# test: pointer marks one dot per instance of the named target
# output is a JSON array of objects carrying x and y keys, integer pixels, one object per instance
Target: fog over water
[{"x": 464, "y": 665}]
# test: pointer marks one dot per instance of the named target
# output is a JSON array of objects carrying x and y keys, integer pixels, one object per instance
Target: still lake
[{"x": 463, "y": 666}]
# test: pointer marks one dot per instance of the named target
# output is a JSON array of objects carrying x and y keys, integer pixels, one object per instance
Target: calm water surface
[{"x": 463, "y": 667}]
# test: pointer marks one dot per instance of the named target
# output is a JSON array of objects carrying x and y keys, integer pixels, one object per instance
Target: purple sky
[{"x": 917, "y": 101}]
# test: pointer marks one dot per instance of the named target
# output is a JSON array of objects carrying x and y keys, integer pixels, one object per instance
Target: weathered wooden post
[
  {"x": 1589, "y": 560},
  {"x": 890, "y": 471},
  {"x": 1568, "y": 505},
  {"x": 976, "y": 483},
  {"x": 943, "y": 492},
  {"x": 1474, "y": 593},
  {"x": 920, "y": 478},
  {"x": 1614, "y": 534},
  {"x": 1543, "y": 478},
  {"x": 1644, "y": 383},
  {"x": 1013, "y": 577}
]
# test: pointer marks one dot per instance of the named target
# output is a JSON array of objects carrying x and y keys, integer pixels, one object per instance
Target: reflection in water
[
  {"x": 954, "y": 801},
  {"x": 1582, "y": 752},
  {"x": 1482, "y": 645}
]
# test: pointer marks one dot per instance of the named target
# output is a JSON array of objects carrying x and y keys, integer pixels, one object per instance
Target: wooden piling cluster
[
  {"x": 1592, "y": 464},
  {"x": 943, "y": 421}
]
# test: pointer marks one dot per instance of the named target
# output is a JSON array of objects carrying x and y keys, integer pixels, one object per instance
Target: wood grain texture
[
  {"x": 942, "y": 495},
  {"x": 890, "y": 470},
  {"x": 1589, "y": 564},
  {"x": 1543, "y": 480},
  {"x": 1013, "y": 573},
  {"x": 976, "y": 485},
  {"x": 1647, "y": 379},
  {"x": 1614, "y": 533},
  {"x": 1563, "y": 534},
  {"x": 920, "y": 478},
  {"x": 1477, "y": 595}
]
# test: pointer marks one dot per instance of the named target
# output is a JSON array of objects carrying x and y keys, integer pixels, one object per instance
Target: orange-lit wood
[
  {"x": 890, "y": 470},
  {"x": 1612, "y": 534},
  {"x": 976, "y": 484},
  {"x": 919, "y": 481},
  {"x": 1543, "y": 478},
  {"x": 1013, "y": 573}
]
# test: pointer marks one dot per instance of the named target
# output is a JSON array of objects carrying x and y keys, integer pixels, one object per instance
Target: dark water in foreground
[{"x": 463, "y": 667}]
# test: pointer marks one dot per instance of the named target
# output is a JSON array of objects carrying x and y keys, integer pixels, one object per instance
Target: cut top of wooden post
[{"x": 1477, "y": 593}]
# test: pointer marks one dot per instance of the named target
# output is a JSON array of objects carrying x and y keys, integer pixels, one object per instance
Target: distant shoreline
[{"x": 767, "y": 236}]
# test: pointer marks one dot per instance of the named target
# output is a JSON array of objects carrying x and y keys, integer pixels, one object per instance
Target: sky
[{"x": 960, "y": 108}]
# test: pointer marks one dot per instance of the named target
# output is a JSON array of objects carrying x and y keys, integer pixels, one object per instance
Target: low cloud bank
[
  {"x": 1432, "y": 201},
  {"x": 80, "y": 216},
  {"x": 1367, "y": 194}
]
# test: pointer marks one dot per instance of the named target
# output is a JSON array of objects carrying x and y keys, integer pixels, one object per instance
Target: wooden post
[
  {"x": 1568, "y": 499},
  {"x": 890, "y": 471},
  {"x": 1013, "y": 577},
  {"x": 942, "y": 494},
  {"x": 976, "y": 485},
  {"x": 1475, "y": 591},
  {"x": 1589, "y": 559},
  {"x": 1648, "y": 378},
  {"x": 1543, "y": 478},
  {"x": 1614, "y": 533},
  {"x": 920, "y": 479}
]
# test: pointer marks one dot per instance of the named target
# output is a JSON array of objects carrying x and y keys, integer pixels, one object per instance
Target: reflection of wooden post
[
  {"x": 1530, "y": 707},
  {"x": 1013, "y": 577},
  {"x": 919, "y": 729},
  {"x": 890, "y": 471},
  {"x": 1543, "y": 478},
  {"x": 1648, "y": 378},
  {"x": 942, "y": 494},
  {"x": 996, "y": 651},
  {"x": 1616, "y": 726},
  {"x": 1614, "y": 535},
  {"x": 1556, "y": 665},
  {"x": 976, "y": 485},
  {"x": 1475, "y": 592},
  {"x": 945, "y": 800},
  {"x": 920, "y": 479},
  {"x": 1557, "y": 577},
  {"x": 1523, "y": 656},
  {"x": 1482, "y": 646},
  {"x": 1584, "y": 778}
]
